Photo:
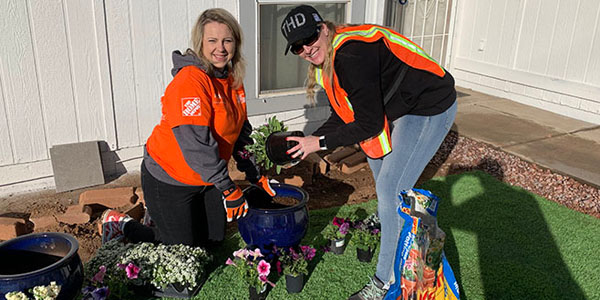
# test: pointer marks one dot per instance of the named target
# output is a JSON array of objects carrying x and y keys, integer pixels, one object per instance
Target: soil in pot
[{"x": 259, "y": 199}]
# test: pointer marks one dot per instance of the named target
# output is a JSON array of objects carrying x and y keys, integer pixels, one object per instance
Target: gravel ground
[{"x": 458, "y": 154}]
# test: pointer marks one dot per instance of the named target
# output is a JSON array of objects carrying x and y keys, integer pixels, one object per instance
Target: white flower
[{"x": 16, "y": 296}]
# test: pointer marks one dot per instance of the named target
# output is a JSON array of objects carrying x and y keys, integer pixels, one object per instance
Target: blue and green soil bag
[{"x": 421, "y": 269}]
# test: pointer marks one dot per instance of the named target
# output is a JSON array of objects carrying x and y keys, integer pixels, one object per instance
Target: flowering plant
[
  {"x": 366, "y": 233},
  {"x": 337, "y": 229},
  {"x": 258, "y": 148},
  {"x": 251, "y": 267},
  {"x": 40, "y": 292},
  {"x": 159, "y": 265},
  {"x": 111, "y": 286},
  {"x": 294, "y": 260}
]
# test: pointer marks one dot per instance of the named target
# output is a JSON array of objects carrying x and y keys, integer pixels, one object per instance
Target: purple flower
[
  {"x": 99, "y": 277},
  {"x": 375, "y": 231},
  {"x": 100, "y": 293},
  {"x": 344, "y": 228},
  {"x": 308, "y": 252}
]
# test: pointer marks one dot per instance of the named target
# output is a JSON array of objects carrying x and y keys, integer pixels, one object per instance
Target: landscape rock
[
  {"x": 338, "y": 154},
  {"x": 42, "y": 222},
  {"x": 111, "y": 198},
  {"x": 13, "y": 227}
]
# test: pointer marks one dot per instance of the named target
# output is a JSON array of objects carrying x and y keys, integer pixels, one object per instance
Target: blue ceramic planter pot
[
  {"x": 268, "y": 224},
  {"x": 38, "y": 259}
]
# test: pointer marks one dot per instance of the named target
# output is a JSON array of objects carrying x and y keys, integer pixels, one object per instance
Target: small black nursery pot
[{"x": 276, "y": 147}]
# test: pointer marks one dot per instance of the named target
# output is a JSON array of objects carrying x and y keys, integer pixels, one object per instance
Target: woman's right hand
[{"x": 306, "y": 145}]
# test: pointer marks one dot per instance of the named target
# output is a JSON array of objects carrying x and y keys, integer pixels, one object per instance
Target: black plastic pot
[
  {"x": 337, "y": 246},
  {"x": 276, "y": 147},
  {"x": 177, "y": 291},
  {"x": 294, "y": 284},
  {"x": 364, "y": 255},
  {"x": 254, "y": 295}
]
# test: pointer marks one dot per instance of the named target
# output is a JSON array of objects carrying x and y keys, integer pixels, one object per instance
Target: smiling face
[
  {"x": 316, "y": 52},
  {"x": 218, "y": 44}
]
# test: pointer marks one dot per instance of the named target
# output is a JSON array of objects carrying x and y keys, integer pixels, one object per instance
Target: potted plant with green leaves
[
  {"x": 270, "y": 145},
  {"x": 293, "y": 263},
  {"x": 253, "y": 269},
  {"x": 365, "y": 235},
  {"x": 336, "y": 232}
]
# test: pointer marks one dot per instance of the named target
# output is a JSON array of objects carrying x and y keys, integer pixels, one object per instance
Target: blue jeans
[{"x": 415, "y": 139}]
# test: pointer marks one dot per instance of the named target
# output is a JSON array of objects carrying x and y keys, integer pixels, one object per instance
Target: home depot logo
[{"x": 190, "y": 107}]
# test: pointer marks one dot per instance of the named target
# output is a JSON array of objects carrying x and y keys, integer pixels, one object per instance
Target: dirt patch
[{"x": 456, "y": 155}]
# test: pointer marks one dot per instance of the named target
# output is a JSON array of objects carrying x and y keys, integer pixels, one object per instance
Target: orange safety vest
[
  {"x": 194, "y": 98},
  {"x": 403, "y": 48}
]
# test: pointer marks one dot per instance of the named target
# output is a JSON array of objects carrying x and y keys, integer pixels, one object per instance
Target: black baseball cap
[{"x": 300, "y": 23}]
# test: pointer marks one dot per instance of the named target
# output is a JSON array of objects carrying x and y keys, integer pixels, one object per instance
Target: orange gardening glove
[
  {"x": 235, "y": 203},
  {"x": 263, "y": 183}
]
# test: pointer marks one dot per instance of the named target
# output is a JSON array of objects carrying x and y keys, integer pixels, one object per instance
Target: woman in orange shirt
[{"x": 186, "y": 184}]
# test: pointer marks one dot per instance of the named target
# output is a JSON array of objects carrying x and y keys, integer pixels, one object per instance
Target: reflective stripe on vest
[
  {"x": 374, "y": 147},
  {"x": 403, "y": 48}
]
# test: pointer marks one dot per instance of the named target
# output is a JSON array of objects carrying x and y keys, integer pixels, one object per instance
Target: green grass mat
[{"x": 502, "y": 243}]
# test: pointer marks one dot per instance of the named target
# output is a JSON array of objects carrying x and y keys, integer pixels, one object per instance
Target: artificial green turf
[
  {"x": 502, "y": 243},
  {"x": 506, "y": 243}
]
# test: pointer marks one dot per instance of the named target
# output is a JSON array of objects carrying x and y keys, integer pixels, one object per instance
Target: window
[
  {"x": 425, "y": 22},
  {"x": 278, "y": 72}
]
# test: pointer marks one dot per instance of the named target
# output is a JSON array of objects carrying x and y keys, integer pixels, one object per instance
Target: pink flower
[
  {"x": 278, "y": 265},
  {"x": 99, "y": 277},
  {"x": 229, "y": 262},
  {"x": 242, "y": 253},
  {"x": 265, "y": 280},
  {"x": 256, "y": 253},
  {"x": 338, "y": 221},
  {"x": 132, "y": 271},
  {"x": 263, "y": 268}
]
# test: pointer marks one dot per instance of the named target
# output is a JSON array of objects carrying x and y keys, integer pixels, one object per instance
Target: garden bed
[{"x": 457, "y": 155}]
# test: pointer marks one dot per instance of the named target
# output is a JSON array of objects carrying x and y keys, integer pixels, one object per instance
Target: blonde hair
[
  {"x": 327, "y": 65},
  {"x": 237, "y": 66}
]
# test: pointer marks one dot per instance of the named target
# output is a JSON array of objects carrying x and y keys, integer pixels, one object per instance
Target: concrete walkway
[{"x": 564, "y": 145}]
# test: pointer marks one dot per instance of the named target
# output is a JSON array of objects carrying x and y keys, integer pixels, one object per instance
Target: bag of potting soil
[{"x": 421, "y": 269}]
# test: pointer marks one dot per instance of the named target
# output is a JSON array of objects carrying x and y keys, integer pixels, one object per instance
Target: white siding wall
[
  {"x": 544, "y": 53},
  {"x": 82, "y": 70}
]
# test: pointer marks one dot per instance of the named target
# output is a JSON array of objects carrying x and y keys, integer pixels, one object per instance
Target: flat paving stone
[{"x": 497, "y": 128}]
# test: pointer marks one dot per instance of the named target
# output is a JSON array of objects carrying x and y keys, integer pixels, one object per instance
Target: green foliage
[
  {"x": 259, "y": 135},
  {"x": 294, "y": 261},
  {"x": 365, "y": 239},
  {"x": 251, "y": 268},
  {"x": 366, "y": 233}
]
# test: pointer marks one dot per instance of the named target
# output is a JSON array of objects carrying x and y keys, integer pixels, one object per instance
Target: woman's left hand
[{"x": 306, "y": 146}]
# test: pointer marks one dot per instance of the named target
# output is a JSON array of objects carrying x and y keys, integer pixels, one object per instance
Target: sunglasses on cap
[{"x": 298, "y": 47}]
